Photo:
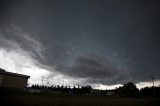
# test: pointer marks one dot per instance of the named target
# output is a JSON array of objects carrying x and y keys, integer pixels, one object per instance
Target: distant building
[{"x": 12, "y": 80}]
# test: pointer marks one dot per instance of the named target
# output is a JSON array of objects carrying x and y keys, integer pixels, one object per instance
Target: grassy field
[{"x": 53, "y": 100}]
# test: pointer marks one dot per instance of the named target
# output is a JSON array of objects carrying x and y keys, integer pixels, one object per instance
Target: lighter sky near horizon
[{"x": 96, "y": 42}]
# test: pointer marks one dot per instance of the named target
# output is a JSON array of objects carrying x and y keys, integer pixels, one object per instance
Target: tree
[
  {"x": 148, "y": 91},
  {"x": 86, "y": 89},
  {"x": 129, "y": 90}
]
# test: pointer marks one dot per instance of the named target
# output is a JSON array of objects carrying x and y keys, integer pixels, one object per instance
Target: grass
[{"x": 66, "y": 100}]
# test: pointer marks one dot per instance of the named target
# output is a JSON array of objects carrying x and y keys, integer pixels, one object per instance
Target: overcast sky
[{"x": 82, "y": 41}]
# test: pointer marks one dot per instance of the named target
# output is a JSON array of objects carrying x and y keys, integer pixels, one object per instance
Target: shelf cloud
[{"x": 108, "y": 42}]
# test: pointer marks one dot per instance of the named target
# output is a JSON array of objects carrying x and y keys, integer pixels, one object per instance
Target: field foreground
[{"x": 53, "y": 100}]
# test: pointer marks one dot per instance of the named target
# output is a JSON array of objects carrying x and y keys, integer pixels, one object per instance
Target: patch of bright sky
[
  {"x": 148, "y": 84},
  {"x": 13, "y": 61}
]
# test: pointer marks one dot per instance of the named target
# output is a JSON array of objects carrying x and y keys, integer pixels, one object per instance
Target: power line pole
[
  {"x": 152, "y": 80},
  {"x": 42, "y": 80},
  {"x": 152, "y": 77}
]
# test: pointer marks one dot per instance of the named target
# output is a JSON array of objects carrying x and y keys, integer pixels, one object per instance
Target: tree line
[{"x": 127, "y": 90}]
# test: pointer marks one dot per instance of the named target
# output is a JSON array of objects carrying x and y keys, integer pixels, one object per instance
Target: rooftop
[{"x": 2, "y": 71}]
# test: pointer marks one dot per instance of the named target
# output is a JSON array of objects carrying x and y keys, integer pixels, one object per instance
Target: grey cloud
[
  {"x": 122, "y": 35},
  {"x": 96, "y": 69}
]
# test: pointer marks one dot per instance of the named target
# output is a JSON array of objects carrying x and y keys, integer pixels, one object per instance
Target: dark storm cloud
[
  {"x": 106, "y": 41},
  {"x": 96, "y": 69}
]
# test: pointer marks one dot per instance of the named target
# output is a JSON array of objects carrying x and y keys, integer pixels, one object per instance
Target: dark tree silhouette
[
  {"x": 129, "y": 90},
  {"x": 148, "y": 91},
  {"x": 86, "y": 89}
]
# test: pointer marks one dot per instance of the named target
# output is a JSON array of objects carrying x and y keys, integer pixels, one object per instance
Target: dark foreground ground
[{"x": 66, "y": 100}]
